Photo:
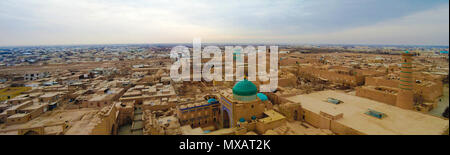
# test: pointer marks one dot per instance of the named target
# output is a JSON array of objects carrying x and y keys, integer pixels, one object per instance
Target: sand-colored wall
[
  {"x": 247, "y": 110},
  {"x": 373, "y": 81},
  {"x": 18, "y": 120},
  {"x": 126, "y": 114},
  {"x": 289, "y": 110},
  {"x": 95, "y": 104},
  {"x": 37, "y": 112},
  {"x": 37, "y": 130},
  {"x": 287, "y": 82},
  {"x": 108, "y": 125},
  {"x": 333, "y": 76},
  {"x": 429, "y": 92},
  {"x": 261, "y": 127},
  {"x": 390, "y": 99},
  {"x": 316, "y": 120},
  {"x": 199, "y": 117},
  {"x": 340, "y": 129}
]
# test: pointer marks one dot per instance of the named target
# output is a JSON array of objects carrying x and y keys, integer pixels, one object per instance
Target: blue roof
[
  {"x": 212, "y": 100},
  {"x": 262, "y": 96},
  {"x": 242, "y": 120}
]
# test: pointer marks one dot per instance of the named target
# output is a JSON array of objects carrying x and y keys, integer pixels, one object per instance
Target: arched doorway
[
  {"x": 295, "y": 115},
  {"x": 226, "y": 119},
  {"x": 31, "y": 132}
]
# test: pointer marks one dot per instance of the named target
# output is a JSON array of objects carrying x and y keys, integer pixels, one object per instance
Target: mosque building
[{"x": 242, "y": 104}]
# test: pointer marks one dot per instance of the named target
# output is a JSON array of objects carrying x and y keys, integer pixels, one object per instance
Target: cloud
[
  {"x": 429, "y": 27},
  {"x": 49, "y": 22}
]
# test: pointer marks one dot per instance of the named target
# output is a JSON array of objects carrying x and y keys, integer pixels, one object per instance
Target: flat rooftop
[
  {"x": 18, "y": 115},
  {"x": 35, "y": 106},
  {"x": 51, "y": 94},
  {"x": 53, "y": 117},
  {"x": 272, "y": 116},
  {"x": 101, "y": 97},
  {"x": 398, "y": 121}
]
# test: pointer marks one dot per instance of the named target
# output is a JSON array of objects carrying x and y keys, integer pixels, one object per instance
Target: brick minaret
[{"x": 405, "y": 97}]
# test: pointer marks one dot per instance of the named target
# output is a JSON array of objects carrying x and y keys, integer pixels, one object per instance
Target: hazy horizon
[
  {"x": 224, "y": 43},
  {"x": 351, "y": 22}
]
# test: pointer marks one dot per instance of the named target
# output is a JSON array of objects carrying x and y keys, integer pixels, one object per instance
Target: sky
[{"x": 71, "y": 22}]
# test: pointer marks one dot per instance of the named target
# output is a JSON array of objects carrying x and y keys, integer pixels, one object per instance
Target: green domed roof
[{"x": 245, "y": 88}]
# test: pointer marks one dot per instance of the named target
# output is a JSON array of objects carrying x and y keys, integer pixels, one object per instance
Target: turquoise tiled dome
[
  {"x": 262, "y": 96},
  {"x": 242, "y": 120},
  {"x": 211, "y": 100},
  {"x": 245, "y": 88}
]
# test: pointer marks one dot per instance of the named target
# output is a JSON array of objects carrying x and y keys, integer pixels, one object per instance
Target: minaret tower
[{"x": 405, "y": 97}]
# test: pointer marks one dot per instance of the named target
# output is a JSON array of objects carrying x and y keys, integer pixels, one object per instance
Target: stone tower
[{"x": 405, "y": 96}]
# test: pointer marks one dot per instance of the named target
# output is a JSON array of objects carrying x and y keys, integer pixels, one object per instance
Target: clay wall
[
  {"x": 108, "y": 125},
  {"x": 287, "y": 82},
  {"x": 340, "y": 129},
  {"x": 261, "y": 127},
  {"x": 316, "y": 120},
  {"x": 430, "y": 92},
  {"x": 333, "y": 76},
  {"x": 377, "y": 81},
  {"x": 18, "y": 120},
  {"x": 376, "y": 95}
]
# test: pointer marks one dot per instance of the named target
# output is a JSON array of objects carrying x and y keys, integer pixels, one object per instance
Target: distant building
[{"x": 31, "y": 76}]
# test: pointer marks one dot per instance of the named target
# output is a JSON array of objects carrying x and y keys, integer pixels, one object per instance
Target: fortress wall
[{"x": 376, "y": 95}]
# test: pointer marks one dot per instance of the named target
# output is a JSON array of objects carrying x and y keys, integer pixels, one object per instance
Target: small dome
[
  {"x": 242, "y": 120},
  {"x": 253, "y": 117},
  {"x": 211, "y": 100},
  {"x": 262, "y": 96},
  {"x": 245, "y": 88}
]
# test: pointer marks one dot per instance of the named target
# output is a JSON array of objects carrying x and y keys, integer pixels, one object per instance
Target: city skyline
[{"x": 51, "y": 22}]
